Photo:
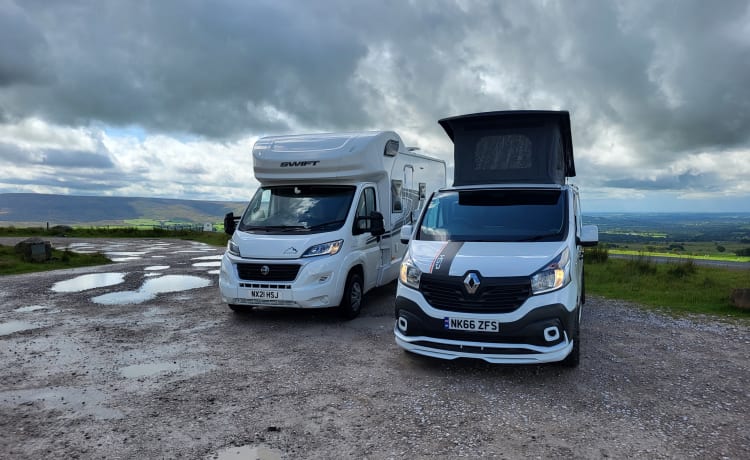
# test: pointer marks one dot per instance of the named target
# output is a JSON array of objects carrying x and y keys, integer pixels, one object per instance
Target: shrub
[
  {"x": 641, "y": 264},
  {"x": 682, "y": 269},
  {"x": 743, "y": 252},
  {"x": 596, "y": 255},
  {"x": 720, "y": 248}
]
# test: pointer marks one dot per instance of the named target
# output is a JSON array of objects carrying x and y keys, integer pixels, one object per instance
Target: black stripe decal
[{"x": 442, "y": 263}]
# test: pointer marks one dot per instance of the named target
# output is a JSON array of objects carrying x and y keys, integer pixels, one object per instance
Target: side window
[
  {"x": 366, "y": 205},
  {"x": 577, "y": 213},
  {"x": 396, "y": 205}
]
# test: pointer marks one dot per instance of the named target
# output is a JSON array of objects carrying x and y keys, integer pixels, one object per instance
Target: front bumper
[
  {"x": 540, "y": 335},
  {"x": 314, "y": 287}
]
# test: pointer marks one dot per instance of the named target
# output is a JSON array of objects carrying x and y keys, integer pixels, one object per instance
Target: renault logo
[
  {"x": 264, "y": 270},
  {"x": 472, "y": 283}
]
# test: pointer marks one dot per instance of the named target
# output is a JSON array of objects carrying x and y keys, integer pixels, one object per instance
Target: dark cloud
[
  {"x": 57, "y": 158},
  {"x": 657, "y": 80},
  {"x": 705, "y": 182}
]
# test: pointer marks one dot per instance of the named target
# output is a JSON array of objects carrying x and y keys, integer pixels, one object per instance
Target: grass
[
  {"x": 679, "y": 287},
  {"x": 717, "y": 256},
  {"x": 212, "y": 238},
  {"x": 708, "y": 250},
  {"x": 12, "y": 263}
]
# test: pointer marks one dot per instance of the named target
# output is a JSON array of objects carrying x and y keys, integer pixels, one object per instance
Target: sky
[{"x": 166, "y": 98}]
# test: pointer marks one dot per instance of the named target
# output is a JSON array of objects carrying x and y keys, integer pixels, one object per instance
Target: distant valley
[{"x": 32, "y": 209}]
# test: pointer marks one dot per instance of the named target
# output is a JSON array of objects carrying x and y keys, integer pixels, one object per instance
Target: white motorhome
[
  {"x": 494, "y": 268},
  {"x": 323, "y": 227}
]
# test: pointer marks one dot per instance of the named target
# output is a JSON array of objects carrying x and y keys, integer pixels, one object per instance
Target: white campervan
[
  {"x": 494, "y": 268},
  {"x": 323, "y": 227}
]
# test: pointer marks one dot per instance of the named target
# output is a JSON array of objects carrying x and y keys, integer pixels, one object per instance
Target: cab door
[{"x": 365, "y": 243}]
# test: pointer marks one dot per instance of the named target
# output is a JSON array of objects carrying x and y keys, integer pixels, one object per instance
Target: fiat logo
[
  {"x": 264, "y": 270},
  {"x": 471, "y": 282}
]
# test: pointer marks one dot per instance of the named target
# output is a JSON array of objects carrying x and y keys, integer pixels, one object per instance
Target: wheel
[
  {"x": 241, "y": 309},
  {"x": 574, "y": 358},
  {"x": 351, "y": 302}
]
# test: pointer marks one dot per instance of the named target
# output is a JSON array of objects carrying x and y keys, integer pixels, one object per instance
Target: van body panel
[
  {"x": 494, "y": 269},
  {"x": 363, "y": 174}
]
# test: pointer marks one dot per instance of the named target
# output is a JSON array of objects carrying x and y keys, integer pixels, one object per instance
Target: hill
[{"x": 38, "y": 209}]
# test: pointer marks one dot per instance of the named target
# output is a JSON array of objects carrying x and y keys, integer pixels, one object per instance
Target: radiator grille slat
[
  {"x": 495, "y": 295},
  {"x": 276, "y": 272}
]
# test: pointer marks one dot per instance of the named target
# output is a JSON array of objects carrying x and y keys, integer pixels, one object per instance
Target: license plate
[
  {"x": 264, "y": 294},
  {"x": 467, "y": 324}
]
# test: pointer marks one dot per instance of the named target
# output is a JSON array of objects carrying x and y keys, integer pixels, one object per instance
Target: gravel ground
[{"x": 181, "y": 376}]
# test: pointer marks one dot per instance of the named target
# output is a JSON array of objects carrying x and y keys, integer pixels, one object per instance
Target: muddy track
[{"x": 178, "y": 375}]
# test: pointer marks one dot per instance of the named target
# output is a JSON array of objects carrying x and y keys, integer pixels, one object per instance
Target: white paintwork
[{"x": 356, "y": 159}]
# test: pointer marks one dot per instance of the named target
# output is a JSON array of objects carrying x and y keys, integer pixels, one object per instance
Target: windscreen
[
  {"x": 495, "y": 215},
  {"x": 298, "y": 208}
]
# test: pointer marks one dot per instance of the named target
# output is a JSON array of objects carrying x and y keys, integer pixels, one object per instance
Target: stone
[
  {"x": 34, "y": 250},
  {"x": 741, "y": 298}
]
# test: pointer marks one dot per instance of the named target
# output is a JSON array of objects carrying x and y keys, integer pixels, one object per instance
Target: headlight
[
  {"x": 233, "y": 248},
  {"x": 553, "y": 276},
  {"x": 331, "y": 248},
  {"x": 409, "y": 274}
]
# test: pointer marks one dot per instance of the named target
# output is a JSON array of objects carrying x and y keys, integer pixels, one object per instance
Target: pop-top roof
[{"x": 519, "y": 146}]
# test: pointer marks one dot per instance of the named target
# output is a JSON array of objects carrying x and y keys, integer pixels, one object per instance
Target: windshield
[
  {"x": 495, "y": 215},
  {"x": 298, "y": 208}
]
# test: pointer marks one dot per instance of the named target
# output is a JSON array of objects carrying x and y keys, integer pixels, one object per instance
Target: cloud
[{"x": 653, "y": 88}]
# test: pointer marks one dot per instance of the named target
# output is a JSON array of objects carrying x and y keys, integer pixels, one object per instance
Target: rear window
[{"x": 495, "y": 215}]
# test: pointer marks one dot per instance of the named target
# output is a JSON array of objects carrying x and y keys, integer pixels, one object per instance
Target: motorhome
[
  {"x": 323, "y": 227},
  {"x": 494, "y": 268}
]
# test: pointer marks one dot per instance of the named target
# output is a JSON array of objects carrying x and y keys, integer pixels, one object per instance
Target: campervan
[
  {"x": 494, "y": 268},
  {"x": 323, "y": 227}
]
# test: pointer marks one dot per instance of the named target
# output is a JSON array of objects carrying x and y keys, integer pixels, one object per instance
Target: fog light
[
  {"x": 551, "y": 333},
  {"x": 402, "y": 324}
]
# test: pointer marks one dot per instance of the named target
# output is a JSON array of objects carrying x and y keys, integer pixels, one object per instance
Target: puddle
[
  {"x": 190, "y": 250},
  {"x": 207, "y": 264},
  {"x": 158, "y": 257},
  {"x": 30, "y": 308},
  {"x": 257, "y": 452},
  {"x": 123, "y": 259},
  {"x": 15, "y": 326},
  {"x": 213, "y": 272},
  {"x": 144, "y": 370},
  {"x": 157, "y": 267},
  {"x": 72, "y": 402},
  {"x": 126, "y": 253},
  {"x": 90, "y": 281},
  {"x": 151, "y": 287},
  {"x": 217, "y": 257}
]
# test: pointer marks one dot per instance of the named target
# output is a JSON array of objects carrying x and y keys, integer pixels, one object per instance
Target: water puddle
[
  {"x": 257, "y": 452},
  {"x": 123, "y": 259},
  {"x": 144, "y": 370},
  {"x": 151, "y": 288},
  {"x": 157, "y": 267},
  {"x": 90, "y": 281},
  {"x": 72, "y": 402},
  {"x": 126, "y": 253},
  {"x": 30, "y": 308},
  {"x": 158, "y": 257},
  {"x": 207, "y": 264},
  {"x": 213, "y": 272},
  {"x": 216, "y": 257},
  {"x": 15, "y": 326}
]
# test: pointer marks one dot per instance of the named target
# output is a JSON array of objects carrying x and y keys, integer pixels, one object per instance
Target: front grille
[
  {"x": 495, "y": 295},
  {"x": 276, "y": 272}
]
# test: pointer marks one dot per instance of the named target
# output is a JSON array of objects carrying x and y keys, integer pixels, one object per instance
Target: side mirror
[
  {"x": 377, "y": 226},
  {"x": 230, "y": 223},
  {"x": 406, "y": 233},
  {"x": 589, "y": 235}
]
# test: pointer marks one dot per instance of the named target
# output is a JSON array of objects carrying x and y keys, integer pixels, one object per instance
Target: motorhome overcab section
[
  {"x": 494, "y": 268},
  {"x": 323, "y": 227}
]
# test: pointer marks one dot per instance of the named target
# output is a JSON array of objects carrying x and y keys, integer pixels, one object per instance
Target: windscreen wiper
[
  {"x": 326, "y": 224},
  {"x": 269, "y": 228}
]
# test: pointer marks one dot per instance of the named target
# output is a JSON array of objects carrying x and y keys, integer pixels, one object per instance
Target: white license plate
[
  {"x": 256, "y": 294},
  {"x": 471, "y": 324}
]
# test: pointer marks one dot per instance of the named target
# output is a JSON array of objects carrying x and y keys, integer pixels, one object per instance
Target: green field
[
  {"x": 11, "y": 263},
  {"x": 679, "y": 287}
]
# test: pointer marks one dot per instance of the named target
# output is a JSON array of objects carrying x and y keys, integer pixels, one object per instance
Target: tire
[
  {"x": 351, "y": 302},
  {"x": 574, "y": 358},
  {"x": 241, "y": 309}
]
